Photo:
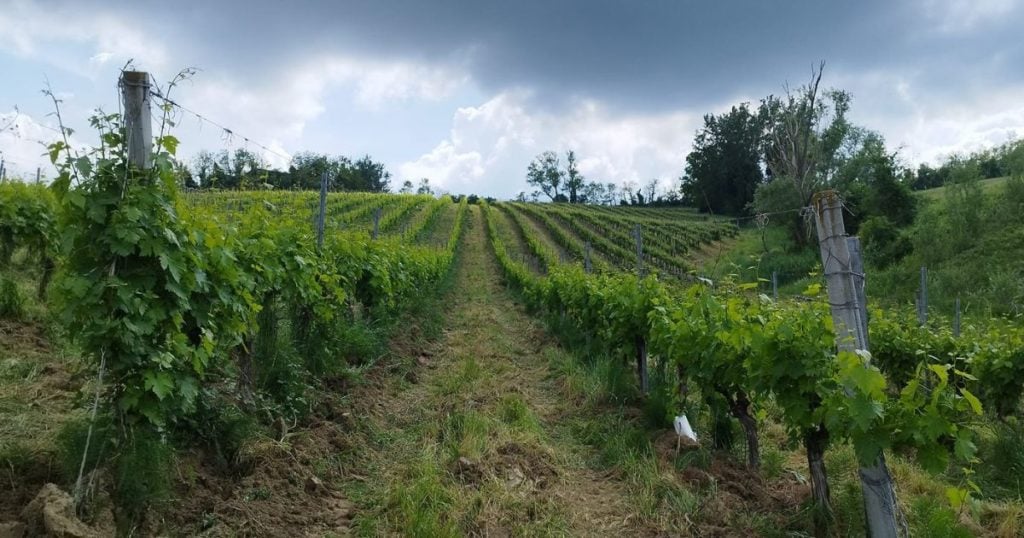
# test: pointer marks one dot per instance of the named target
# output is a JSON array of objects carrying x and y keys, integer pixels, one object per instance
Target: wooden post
[
  {"x": 922, "y": 305},
  {"x": 639, "y": 251},
  {"x": 880, "y": 506},
  {"x": 586, "y": 257},
  {"x": 3, "y": 170},
  {"x": 775, "y": 286},
  {"x": 321, "y": 214},
  {"x": 857, "y": 269},
  {"x": 376, "y": 222},
  {"x": 641, "y": 364},
  {"x": 138, "y": 123},
  {"x": 38, "y": 174}
]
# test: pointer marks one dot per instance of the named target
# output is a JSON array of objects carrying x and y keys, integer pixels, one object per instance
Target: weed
[
  {"x": 12, "y": 301},
  {"x": 257, "y": 494},
  {"x": 514, "y": 411},
  {"x": 1002, "y": 475},
  {"x": 928, "y": 517}
]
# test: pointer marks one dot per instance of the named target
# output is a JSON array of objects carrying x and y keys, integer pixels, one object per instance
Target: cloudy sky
[{"x": 467, "y": 92}]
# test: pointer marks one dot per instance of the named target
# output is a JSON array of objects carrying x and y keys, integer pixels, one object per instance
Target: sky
[{"x": 466, "y": 93}]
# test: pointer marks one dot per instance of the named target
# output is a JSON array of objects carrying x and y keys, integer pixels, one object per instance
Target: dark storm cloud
[{"x": 644, "y": 55}]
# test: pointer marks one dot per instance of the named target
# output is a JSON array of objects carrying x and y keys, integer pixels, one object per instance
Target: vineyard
[{"x": 268, "y": 363}]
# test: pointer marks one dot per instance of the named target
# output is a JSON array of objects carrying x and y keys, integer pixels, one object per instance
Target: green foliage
[
  {"x": 724, "y": 168},
  {"x": 928, "y": 517},
  {"x": 140, "y": 464},
  {"x": 883, "y": 243},
  {"x": 742, "y": 350},
  {"x": 970, "y": 241},
  {"x": 142, "y": 477},
  {"x": 150, "y": 301},
  {"x": 173, "y": 303},
  {"x": 779, "y": 197},
  {"x": 244, "y": 169},
  {"x": 544, "y": 174},
  {"x": 71, "y": 446},
  {"x": 1002, "y": 476},
  {"x": 224, "y": 430},
  {"x": 27, "y": 219},
  {"x": 12, "y": 301}
]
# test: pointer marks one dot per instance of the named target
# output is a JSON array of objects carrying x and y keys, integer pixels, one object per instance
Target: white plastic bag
[{"x": 683, "y": 428}]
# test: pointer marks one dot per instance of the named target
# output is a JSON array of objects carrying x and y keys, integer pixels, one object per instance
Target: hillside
[{"x": 438, "y": 368}]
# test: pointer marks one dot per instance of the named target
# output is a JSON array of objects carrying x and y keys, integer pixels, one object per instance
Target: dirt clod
[
  {"x": 52, "y": 514},
  {"x": 313, "y": 484},
  {"x": 467, "y": 470}
]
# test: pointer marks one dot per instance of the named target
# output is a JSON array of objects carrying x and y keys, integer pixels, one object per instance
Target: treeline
[
  {"x": 568, "y": 185},
  {"x": 244, "y": 169},
  {"x": 1003, "y": 160}
]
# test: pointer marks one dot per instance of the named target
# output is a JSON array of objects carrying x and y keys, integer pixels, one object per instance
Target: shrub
[
  {"x": 28, "y": 220},
  {"x": 884, "y": 243},
  {"x": 12, "y": 302}
]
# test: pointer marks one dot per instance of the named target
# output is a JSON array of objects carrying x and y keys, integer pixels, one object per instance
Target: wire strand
[{"x": 228, "y": 132}]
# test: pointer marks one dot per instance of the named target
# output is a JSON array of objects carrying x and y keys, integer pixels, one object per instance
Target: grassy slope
[
  {"x": 474, "y": 440},
  {"x": 499, "y": 430},
  {"x": 478, "y": 422},
  {"x": 989, "y": 186},
  {"x": 37, "y": 395}
]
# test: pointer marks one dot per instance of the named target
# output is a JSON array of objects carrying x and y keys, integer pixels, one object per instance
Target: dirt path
[{"x": 481, "y": 438}]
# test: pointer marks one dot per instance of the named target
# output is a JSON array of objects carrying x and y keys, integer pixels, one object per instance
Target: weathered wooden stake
[
  {"x": 138, "y": 122},
  {"x": 637, "y": 234},
  {"x": 586, "y": 257},
  {"x": 322, "y": 212},
  {"x": 880, "y": 506},
  {"x": 922, "y": 297},
  {"x": 376, "y": 221},
  {"x": 857, "y": 273},
  {"x": 38, "y": 174},
  {"x": 775, "y": 286},
  {"x": 641, "y": 364}
]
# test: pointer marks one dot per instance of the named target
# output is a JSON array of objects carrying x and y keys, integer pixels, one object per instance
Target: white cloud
[
  {"x": 23, "y": 142},
  {"x": 277, "y": 111},
  {"x": 958, "y": 16},
  {"x": 927, "y": 126},
  {"x": 490, "y": 145},
  {"x": 30, "y": 30}
]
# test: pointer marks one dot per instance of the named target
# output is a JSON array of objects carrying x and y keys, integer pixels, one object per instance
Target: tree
[
  {"x": 545, "y": 174},
  {"x": 202, "y": 169},
  {"x": 611, "y": 194},
  {"x": 869, "y": 180},
  {"x": 407, "y": 187},
  {"x": 724, "y": 168},
  {"x": 307, "y": 168},
  {"x": 627, "y": 193},
  {"x": 651, "y": 190},
  {"x": 805, "y": 131},
  {"x": 367, "y": 175},
  {"x": 424, "y": 187},
  {"x": 573, "y": 179},
  {"x": 591, "y": 193}
]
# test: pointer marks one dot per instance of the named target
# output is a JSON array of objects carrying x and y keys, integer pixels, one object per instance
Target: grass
[
  {"x": 487, "y": 440},
  {"x": 754, "y": 254},
  {"x": 988, "y": 186},
  {"x": 36, "y": 393}
]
